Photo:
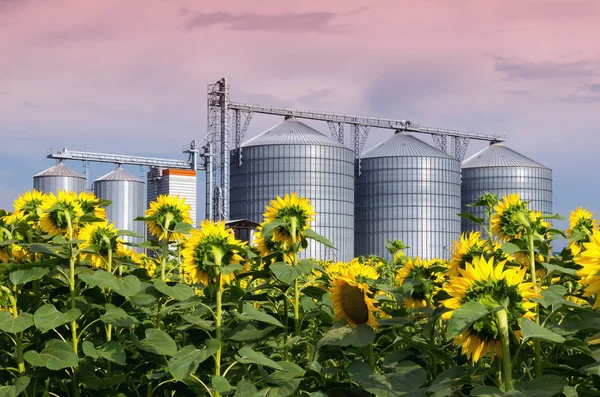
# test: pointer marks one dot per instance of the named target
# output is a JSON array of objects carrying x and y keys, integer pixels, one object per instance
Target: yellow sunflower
[
  {"x": 427, "y": 277},
  {"x": 102, "y": 238},
  {"x": 512, "y": 217},
  {"x": 12, "y": 253},
  {"x": 214, "y": 243},
  {"x": 268, "y": 247},
  {"x": 30, "y": 203},
  {"x": 484, "y": 280},
  {"x": 15, "y": 219},
  {"x": 91, "y": 204},
  {"x": 469, "y": 246},
  {"x": 296, "y": 213},
  {"x": 589, "y": 259},
  {"x": 165, "y": 213},
  {"x": 352, "y": 302},
  {"x": 145, "y": 262},
  {"x": 54, "y": 209},
  {"x": 581, "y": 220}
]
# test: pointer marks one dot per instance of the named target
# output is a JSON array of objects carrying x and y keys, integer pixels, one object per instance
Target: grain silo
[
  {"x": 59, "y": 177},
  {"x": 500, "y": 170},
  {"x": 126, "y": 192},
  {"x": 293, "y": 157},
  {"x": 407, "y": 191}
]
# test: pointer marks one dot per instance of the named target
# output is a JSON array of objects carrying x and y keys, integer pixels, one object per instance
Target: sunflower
[
  {"x": 469, "y": 246},
  {"x": 91, "y": 204},
  {"x": 214, "y": 243},
  {"x": 484, "y": 281},
  {"x": 352, "y": 300},
  {"x": 267, "y": 247},
  {"x": 296, "y": 214},
  {"x": 30, "y": 203},
  {"x": 427, "y": 278},
  {"x": 12, "y": 253},
  {"x": 167, "y": 209},
  {"x": 580, "y": 221},
  {"x": 589, "y": 259},
  {"x": 102, "y": 238},
  {"x": 54, "y": 209},
  {"x": 512, "y": 218}
]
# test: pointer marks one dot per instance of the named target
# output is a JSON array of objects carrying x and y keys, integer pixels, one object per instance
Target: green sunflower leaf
[
  {"x": 268, "y": 228},
  {"x": 220, "y": 384},
  {"x": 245, "y": 388},
  {"x": 287, "y": 273},
  {"x": 464, "y": 317},
  {"x": 128, "y": 233},
  {"x": 358, "y": 336},
  {"x": 471, "y": 217},
  {"x": 532, "y": 330},
  {"x": 111, "y": 351},
  {"x": 554, "y": 294},
  {"x": 187, "y": 360},
  {"x": 56, "y": 355},
  {"x": 311, "y": 234},
  {"x": 11, "y": 324},
  {"x": 158, "y": 342},
  {"x": 117, "y": 317},
  {"x": 179, "y": 291},
  {"x": 249, "y": 313},
  {"x": 48, "y": 317},
  {"x": 22, "y": 277},
  {"x": 16, "y": 389},
  {"x": 248, "y": 356}
]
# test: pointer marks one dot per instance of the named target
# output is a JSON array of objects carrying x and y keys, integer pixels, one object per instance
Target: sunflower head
[
  {"x": 295, "y": 212},
  {"x": 215, "y": 244},
  {"x": 353, "y": 302},
  {"x": 512, "y": 218},
  {"x": 582, "y": 223},
  {"x": 275, "y": 251},
  {"x": 164, "y": 214},
  {"x": 90, "y": 204},
  {"x": 426, "y": 278},
  {"x": 469, "y": 246},
  {"x": 490, "y": 283},
  {"x": 589, "y": 260},
  {"x": 30, "y": 203},
  {"x": 60, "y": 211},
  {"x": 99, "y": 238},
  {"x": 12, "y": 253}
]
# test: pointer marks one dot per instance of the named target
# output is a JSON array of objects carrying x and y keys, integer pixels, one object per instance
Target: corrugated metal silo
[
  {"x": 293, "y": 157},
  {"x": 409, "y": 191},
  {"x": 500, "y": 170},
  {"x": 59, "y": 177},
  {"x": 128, "y": 202}
]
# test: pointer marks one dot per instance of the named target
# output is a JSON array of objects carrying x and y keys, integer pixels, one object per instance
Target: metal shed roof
[
  {"x": 119, "y": 175},
  {"x": 498, "y": 155},
  {"x": 292, "y": 132},
  {"x": 403, "y": 144},
  {"x": 59, "y": 170}
]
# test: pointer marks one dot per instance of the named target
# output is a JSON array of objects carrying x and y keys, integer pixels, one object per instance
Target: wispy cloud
[
  {"x": 526, "y": 70},
  {"x": 321, "y": 22}
]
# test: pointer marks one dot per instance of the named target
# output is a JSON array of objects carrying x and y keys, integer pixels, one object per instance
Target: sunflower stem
[
  {"x": 296, "y": 307},
  {"x": 286, "y": 335},
  {"x": 12, "y": 297},
  {"x": 536, "y": 343},
  {"x": 502, "y": 323},
  {"x": 73, "y": 302},
  {"x": 108, "y": 299},
  {"x": 218, "y": 317},
  {"x": 371, "y": 355}
]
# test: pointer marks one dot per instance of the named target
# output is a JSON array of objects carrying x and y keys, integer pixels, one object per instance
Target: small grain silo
[
  {"x": 293, "y": 157},
  {"x": 126, "y": 192},
  {"x": 409, "y": 191},
  {"x": 500, "y": 170},
  {"x": 59, "y": 177}
]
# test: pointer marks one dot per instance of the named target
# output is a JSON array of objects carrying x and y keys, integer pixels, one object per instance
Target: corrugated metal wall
[
  {"x": 293, "y": 157},
  {"x": 407, "y": 191}
]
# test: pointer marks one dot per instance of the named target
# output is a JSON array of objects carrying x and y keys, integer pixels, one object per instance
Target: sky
[{"x": 130, "y": 76}]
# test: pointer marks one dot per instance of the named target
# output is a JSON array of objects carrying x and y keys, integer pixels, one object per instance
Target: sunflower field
[{"x": 196, "y": 312}]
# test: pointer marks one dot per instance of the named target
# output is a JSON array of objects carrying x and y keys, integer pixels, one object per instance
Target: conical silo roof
[
  {"x": 498, "y": 155},
  {"x": 119, "y": 174},
  {"x": 59, "y": 170},
  {"x": 403, "y": 145},
  {"x": 291, "y": 132}
]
